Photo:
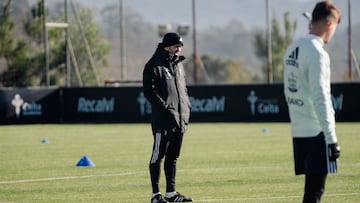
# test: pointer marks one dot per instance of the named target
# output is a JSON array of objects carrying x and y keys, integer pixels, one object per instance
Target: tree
[
  {"x": 218, "y": 70},
  {"x": 6, "y": 25},
  {"x": 140, "y": 40},
  {"x": 26, "y": 60},
  {"x": 279, "y": 44},
  {"x": 14, "y": 52},
  {"x": 100, "y": 48}
]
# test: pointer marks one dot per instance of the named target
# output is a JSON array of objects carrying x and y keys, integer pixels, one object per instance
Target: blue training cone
[
  {"x": 85, "y": 161},
  {"x": 45, "y": 141}
]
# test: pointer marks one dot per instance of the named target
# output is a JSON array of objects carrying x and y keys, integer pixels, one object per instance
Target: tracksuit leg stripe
[{"x": 155, "y": 154}]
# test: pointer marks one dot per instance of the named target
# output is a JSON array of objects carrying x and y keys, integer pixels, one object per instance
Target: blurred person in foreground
[
  {"x": 308, "y": 95},
  {"x": 165, "y": 87}
]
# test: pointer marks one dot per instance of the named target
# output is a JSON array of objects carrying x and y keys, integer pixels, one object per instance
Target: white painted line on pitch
[
  {"x": 244, "y": 199},
  {"x": 81, "y": 177},
  {"x": 269, "y": 198},
  {"x": 92, "y": 176},
  {"x": 67, "y": 178}
]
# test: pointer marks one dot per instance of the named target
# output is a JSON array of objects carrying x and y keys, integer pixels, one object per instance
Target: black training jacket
[{"x": 165, "y": 88}]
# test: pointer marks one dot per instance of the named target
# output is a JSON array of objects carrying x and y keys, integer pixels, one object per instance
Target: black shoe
[
  {"x": 158, "y": 199},
  {"x": 178, "y": 198}
]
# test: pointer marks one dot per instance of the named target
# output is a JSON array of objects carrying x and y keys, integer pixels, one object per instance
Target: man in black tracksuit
[{"x": 165, "y": 87}]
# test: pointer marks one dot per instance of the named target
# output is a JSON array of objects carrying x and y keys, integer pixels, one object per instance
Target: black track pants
[
  {"x": 314, "y": 188},
  {"x": 166, "y": 144}
]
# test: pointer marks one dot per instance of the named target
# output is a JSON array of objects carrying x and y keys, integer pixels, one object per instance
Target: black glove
[{"x": 334, "y": 151}]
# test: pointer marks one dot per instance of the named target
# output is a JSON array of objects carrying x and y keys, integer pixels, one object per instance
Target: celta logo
[
  {"x": 25, "y": 108},
  {"x": 292, "y": 82},
  {"x": 262, "y": 106},
  {"x": 17, "y": 102},
  {"x": 145, "y": 106},
  {"x": 96, "y": 105},
  {"x": 252, "y": 98}
]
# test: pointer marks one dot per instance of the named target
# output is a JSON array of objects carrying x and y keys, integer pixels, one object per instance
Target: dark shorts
[{"x": 311, "y": 156}]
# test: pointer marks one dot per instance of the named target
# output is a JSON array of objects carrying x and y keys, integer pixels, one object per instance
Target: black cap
[{"x": 171, "y": 39}]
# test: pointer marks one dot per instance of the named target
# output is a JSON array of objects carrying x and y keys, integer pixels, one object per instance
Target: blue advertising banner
[
  {"x": 232, "y": 103},
  {"x": 23, "y": 105},
  {"x": 210, "y": 103},
  {"x": 104, "y": 105}
]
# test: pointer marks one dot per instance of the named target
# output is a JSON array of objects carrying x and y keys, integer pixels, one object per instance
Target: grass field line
[
  {"x": 68, "y": 178},
  {"x": 121, "y": 174},
  {"x": 270, "y": 198},
  {"x": 131, "y": 173}
]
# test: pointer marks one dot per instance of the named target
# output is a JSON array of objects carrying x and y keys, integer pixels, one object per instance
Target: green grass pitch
[{"x": 219, "y": 162}]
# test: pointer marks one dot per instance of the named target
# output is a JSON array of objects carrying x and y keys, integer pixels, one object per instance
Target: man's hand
[{"x": 334, "y": 151}]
